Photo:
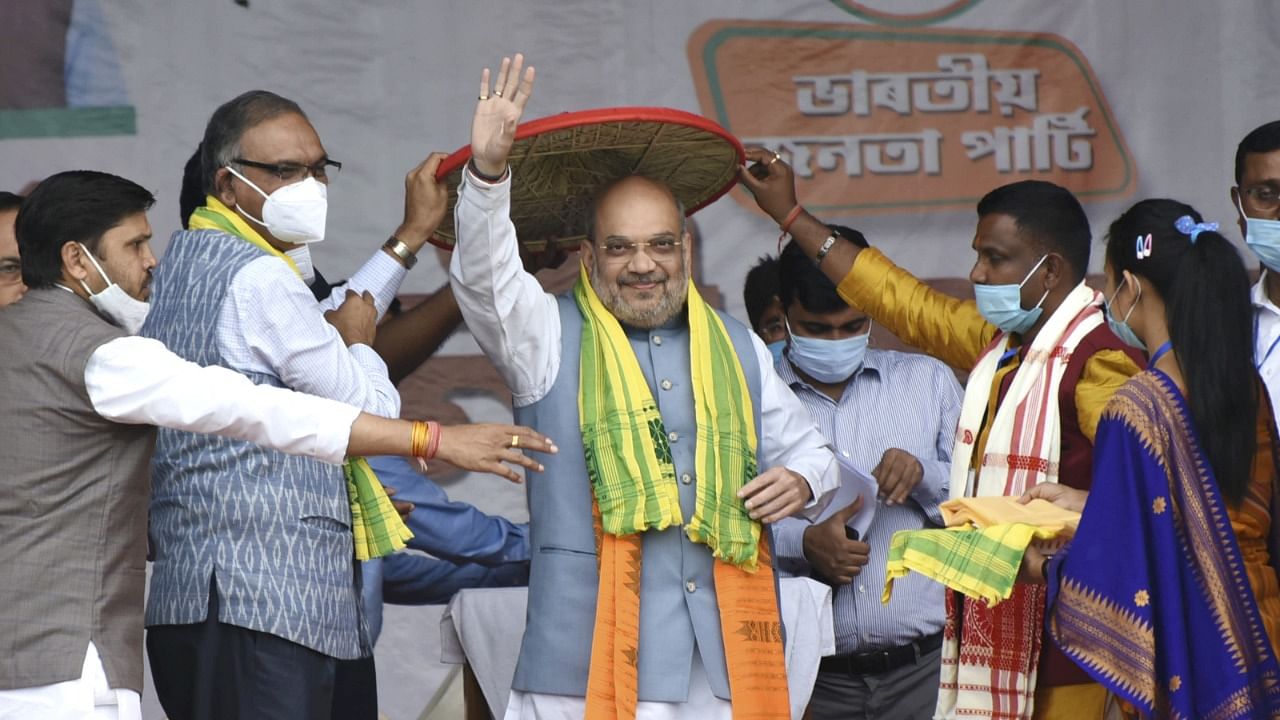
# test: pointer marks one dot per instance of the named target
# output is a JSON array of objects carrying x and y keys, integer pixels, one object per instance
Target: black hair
[
  {"x": 1048, "y": 215},
  {"x": 1262, "y": 139},
  {"x": 191, "y": 196},
  {"x": 800, "y": 280},
  {"x": 76, "y": 206},
  {"x": 9, "y": 201},
  {"x": 1206, "y": 292},
  {"x": 221, "y": 144},
  {"x": 760, "y": 288}
]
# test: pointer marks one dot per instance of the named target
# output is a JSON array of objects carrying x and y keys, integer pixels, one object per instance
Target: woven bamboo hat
[{"x": 559, "y": 163}]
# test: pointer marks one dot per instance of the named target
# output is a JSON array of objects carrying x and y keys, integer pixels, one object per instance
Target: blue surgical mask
[
  {"x": 1121, "y": 328},
  {"x": 1262, "y": 237},
  {"x": 1001, "y": 305},
  {"x": 777, "y": 347},
  {"x": 829, "y": 361}
]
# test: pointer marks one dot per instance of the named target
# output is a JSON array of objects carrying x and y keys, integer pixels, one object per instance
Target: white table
[{"x": 483, "y": 628}]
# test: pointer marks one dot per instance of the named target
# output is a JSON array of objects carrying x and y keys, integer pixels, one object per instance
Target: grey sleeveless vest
[{"x": 678, "y": 604}]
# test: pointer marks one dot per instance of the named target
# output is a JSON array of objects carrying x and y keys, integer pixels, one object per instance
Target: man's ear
[
  {"x": 222, "y": 178},
  {"x": 73, "y": 261},
  {"x": 1056, "y": 271}
]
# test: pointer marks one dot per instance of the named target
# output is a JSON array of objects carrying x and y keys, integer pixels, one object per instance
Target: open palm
[{"x": 493, "y": 129}]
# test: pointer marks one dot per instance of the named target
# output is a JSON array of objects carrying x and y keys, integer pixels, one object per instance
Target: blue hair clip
[{"x": 1187, "y": 226}]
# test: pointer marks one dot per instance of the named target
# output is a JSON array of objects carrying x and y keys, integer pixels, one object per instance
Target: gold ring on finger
[
  {"x": 776, "y": 158},
  {"x": 497, "y": 93},
  {"x": 515, "y": 441},
  {"x": 484, "y": 97}
]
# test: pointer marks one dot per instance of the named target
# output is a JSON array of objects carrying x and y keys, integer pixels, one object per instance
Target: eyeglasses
[
  {"x": 658, "y": 249},
  {"x": 1262, "y": 197},
  {"x": 10, "y": 272},
  {"x": 323, "y": 171}
]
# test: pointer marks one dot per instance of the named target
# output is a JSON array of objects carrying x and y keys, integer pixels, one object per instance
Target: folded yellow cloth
[
  {"x": 983, "y": 512},
  {"x": 979, "y": 563}
]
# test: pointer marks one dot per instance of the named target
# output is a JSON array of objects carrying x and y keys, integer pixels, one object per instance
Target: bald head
[{"x": 635, "y": 196}]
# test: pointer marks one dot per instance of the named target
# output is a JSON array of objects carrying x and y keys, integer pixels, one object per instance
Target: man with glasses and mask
[
  {"x": 665, "y": 407},
  {"x": 893, "y": 415},
  {"x": 1042, "y": 365},
  {"x": 11, "y": 286},
  {"x": 1256, "y": 196},
  {"x": 232, "y": 290}
]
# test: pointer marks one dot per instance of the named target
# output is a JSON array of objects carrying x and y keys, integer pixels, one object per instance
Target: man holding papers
[{"x": 892, "y": 415}]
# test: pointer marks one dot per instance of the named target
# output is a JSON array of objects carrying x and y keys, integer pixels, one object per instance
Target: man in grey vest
[
  {"x": 79, "y": 402},
  {"x": 584, "y": 644}
]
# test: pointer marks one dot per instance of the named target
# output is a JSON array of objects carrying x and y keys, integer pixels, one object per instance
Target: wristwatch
[{"x": 402, "y": 251}]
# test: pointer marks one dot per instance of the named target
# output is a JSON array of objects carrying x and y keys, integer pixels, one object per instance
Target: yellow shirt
[{"x": 953, "y": 331}]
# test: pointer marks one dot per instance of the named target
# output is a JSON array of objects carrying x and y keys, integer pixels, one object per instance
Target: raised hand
[
  {"x": 493, "y": 129},
  {"x": 775, "y": 192},
  {"x": 831, "y": 552},
  {"x": 425, "y": 201},
  {"x": 486, "y": 447}
]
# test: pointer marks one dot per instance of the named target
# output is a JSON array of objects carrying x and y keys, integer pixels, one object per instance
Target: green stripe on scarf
[{"x": 627, "y": 455}]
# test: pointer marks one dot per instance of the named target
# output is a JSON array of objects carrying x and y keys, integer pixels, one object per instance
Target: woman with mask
[{"x": 1168, "y": 594}]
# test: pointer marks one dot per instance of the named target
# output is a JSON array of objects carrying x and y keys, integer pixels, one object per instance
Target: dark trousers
[
  {"x": 909, "y": 692},
  {"x": 355, "y": 690},
  {"x": 215, "y": 671}
]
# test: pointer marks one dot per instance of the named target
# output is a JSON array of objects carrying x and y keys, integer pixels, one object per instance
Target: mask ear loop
[
  {"x": 101, "y": 273},
  {"x": 251, "y": 184}
]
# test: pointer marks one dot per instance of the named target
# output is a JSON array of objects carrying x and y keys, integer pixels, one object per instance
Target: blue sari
[{"x": 1151, "y": 597}]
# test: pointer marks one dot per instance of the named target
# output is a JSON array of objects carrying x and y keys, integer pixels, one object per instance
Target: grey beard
[{"x": 672, "y": 302}]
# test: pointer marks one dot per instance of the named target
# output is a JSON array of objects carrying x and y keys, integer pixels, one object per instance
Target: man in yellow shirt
[{"x": 1042, "y": 365}]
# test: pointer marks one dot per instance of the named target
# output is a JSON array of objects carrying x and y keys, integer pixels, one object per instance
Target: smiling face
[{"x": 638, "y": 255}]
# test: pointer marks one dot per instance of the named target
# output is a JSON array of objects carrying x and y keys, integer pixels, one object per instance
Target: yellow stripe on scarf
[
  {"x": 376, "y": 527},
  {"x": 981, "y": 563},
  {"x": 627, "y": 452}
]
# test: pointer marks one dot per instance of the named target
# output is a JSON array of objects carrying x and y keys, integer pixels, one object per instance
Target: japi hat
[{"x": 559, "y": 163}]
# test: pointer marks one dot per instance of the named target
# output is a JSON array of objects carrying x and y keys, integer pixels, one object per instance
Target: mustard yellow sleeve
[
  {"x": 1104, "y": 372},
  {"x": 945, "y": 327}
]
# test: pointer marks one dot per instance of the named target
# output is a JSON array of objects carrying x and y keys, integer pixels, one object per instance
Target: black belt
[{"x": 881, "y": 661}]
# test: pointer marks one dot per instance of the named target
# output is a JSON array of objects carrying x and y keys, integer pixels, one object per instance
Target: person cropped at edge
[
  {"x": 1173, "y": 610},
  {"x": 80, "y": 400},
  {"x": 1042, "y": 365}
]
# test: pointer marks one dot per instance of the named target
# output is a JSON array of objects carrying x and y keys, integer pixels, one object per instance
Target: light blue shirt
[{"x": 896, "y": 400}]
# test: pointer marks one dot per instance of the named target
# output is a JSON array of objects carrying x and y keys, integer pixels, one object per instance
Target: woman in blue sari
[{"x": 1168, "y": 593}]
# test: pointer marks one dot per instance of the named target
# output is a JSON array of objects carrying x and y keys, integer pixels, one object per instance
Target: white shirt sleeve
[
  {"x": 270, "y": 323},
  {"x": 139, "y": 381},
  {"x": 789, "y": 438},
  {"x": 381, "y": 275},
  {"x": 513, "y": 319}
]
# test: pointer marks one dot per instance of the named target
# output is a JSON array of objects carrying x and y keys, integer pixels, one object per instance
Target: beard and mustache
[{"x": 671, "y": 295}]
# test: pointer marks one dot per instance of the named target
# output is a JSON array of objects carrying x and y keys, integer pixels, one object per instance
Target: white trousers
[
  {"x": 88, "y": 698},
  {"x": 701, "y": 705}
]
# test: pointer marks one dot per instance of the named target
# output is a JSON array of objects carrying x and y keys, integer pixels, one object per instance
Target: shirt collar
[{"x": 1259, "y": 294}]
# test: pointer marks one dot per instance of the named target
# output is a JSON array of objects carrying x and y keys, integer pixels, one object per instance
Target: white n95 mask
[{"x": 294, "y": 213}]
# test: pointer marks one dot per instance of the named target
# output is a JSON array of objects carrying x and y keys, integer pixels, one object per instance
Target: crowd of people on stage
[{"x": 231, "y": 416}]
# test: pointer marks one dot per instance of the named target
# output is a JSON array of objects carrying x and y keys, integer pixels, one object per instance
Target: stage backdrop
[{"x": 897, "y": 114}]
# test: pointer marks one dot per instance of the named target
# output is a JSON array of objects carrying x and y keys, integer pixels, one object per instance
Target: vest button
[
  {"x": 691, "y": 586},
  {"x": 666, "y": 384},
  {"x": 673, "y": 436},
  {"x": 657, "y": 339},
  {"x": 686, "y": 478}
]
